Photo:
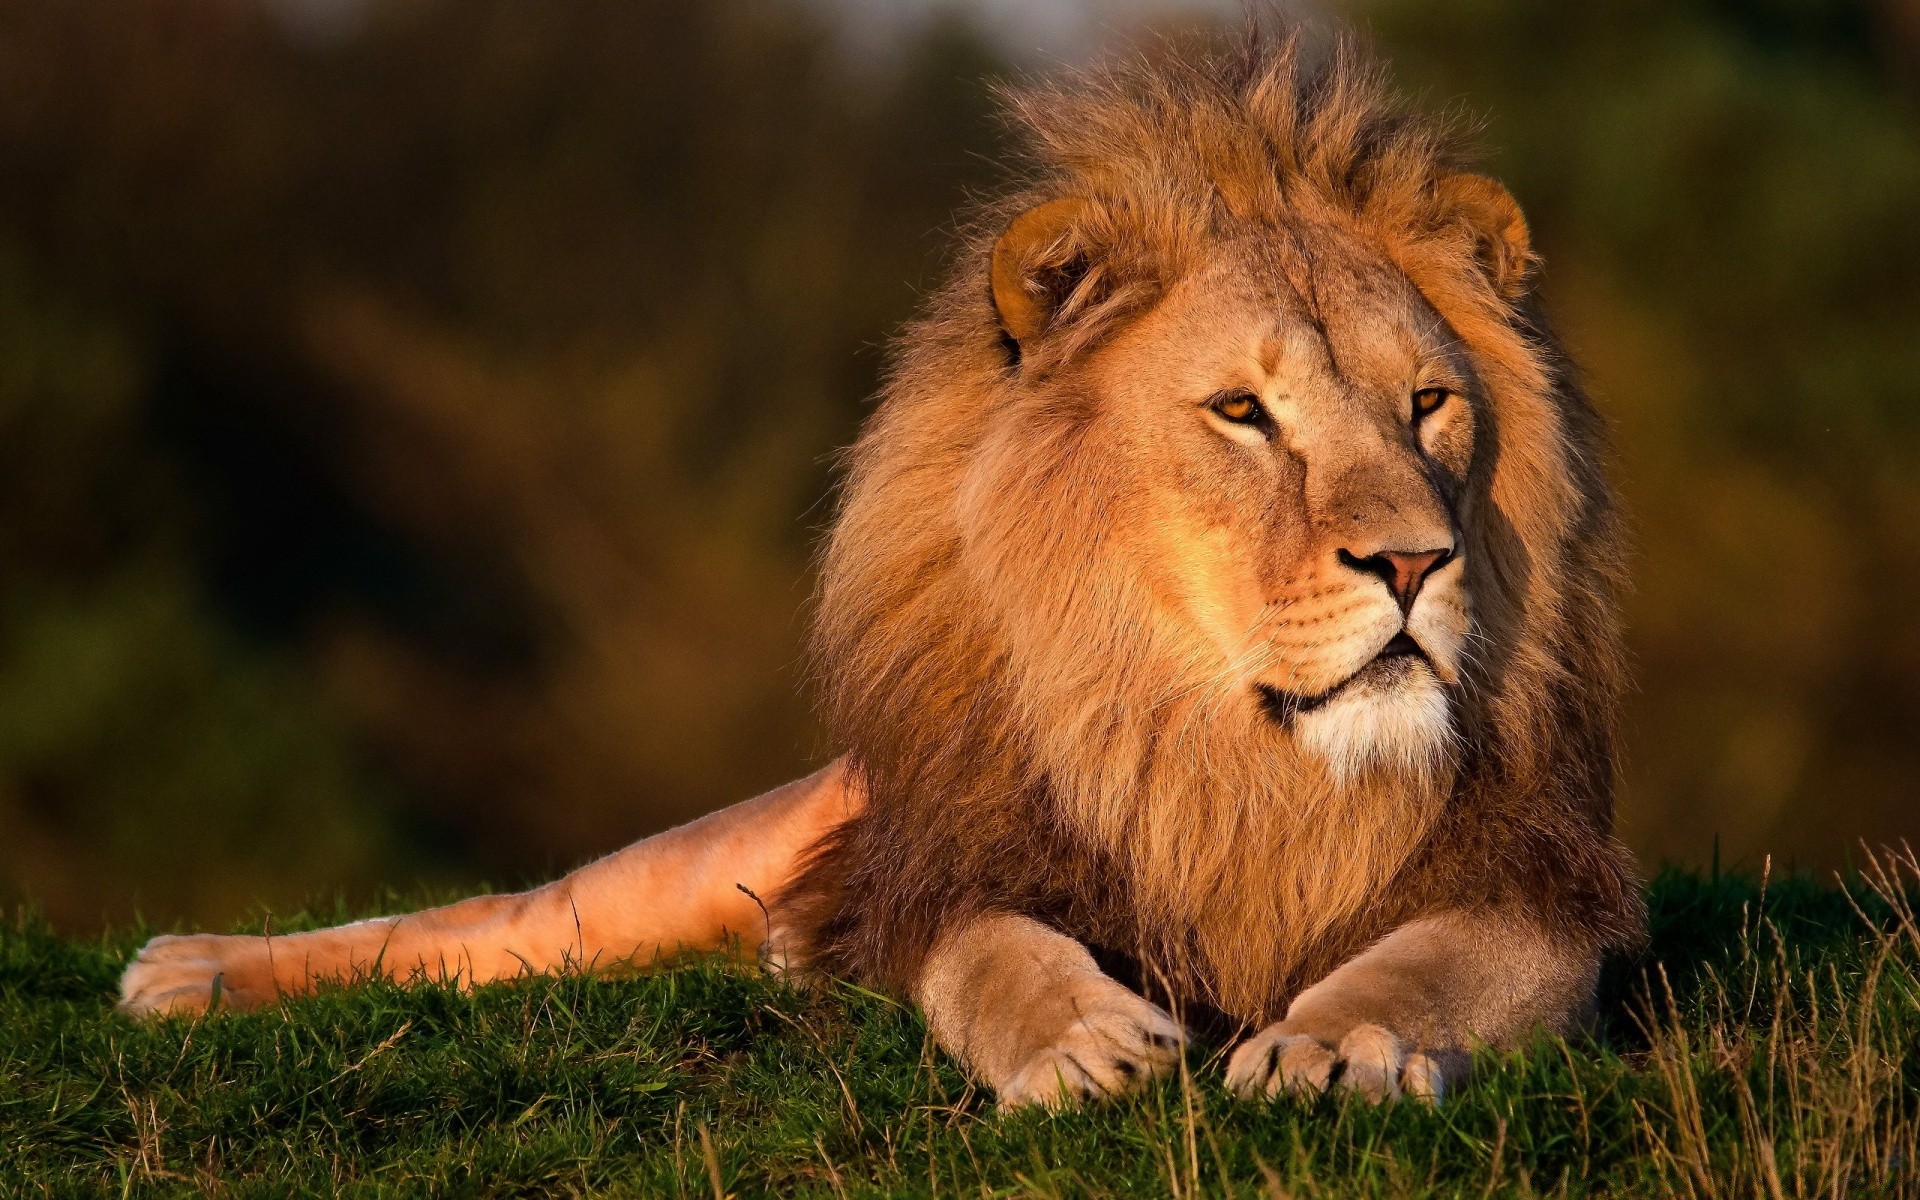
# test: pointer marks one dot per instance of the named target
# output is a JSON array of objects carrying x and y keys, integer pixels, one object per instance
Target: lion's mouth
[{"x": 1391, "y": 663}]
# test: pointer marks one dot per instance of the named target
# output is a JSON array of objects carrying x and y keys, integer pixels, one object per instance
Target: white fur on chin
[{"x": 1403, "y": 723}]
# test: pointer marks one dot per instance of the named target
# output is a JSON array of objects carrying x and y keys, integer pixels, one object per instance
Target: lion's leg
[
  {"x": 1034, "y": 1018},
  {"x": 674, "y": 891},
  {"x": 1405, "y": 1016}
]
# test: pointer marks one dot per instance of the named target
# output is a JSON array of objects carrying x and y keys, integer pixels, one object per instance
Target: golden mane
[{"x": 1032, "y": 739}]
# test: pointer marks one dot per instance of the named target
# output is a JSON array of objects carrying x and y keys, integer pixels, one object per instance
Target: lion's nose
[{"x": 1403, "y": 571}]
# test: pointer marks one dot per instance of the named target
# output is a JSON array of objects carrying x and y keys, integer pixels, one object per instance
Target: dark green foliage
[
  {"x": 137, "y": 727},
  {"x": 652, "y": 1085},
  {"x": 411, "y": 439},
  {"x": 1724, "y": 194},
  {"x": 411, "y": 443}
]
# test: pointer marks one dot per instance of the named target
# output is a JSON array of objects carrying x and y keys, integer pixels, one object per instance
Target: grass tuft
[{"x": 1768, "y": 1045}]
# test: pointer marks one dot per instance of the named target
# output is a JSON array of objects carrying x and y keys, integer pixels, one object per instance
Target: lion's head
[
  {"x": 1231, "y": 503},
  {"x": 1265, "y": 469}
]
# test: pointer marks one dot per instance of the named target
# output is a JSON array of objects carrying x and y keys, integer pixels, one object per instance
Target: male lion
[{"x": 1223, "y": 586}]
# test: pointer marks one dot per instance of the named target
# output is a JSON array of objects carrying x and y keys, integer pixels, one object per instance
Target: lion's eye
[
  {"x": 1240, "y": 407},
  {"x": 1427, "y": 401}
]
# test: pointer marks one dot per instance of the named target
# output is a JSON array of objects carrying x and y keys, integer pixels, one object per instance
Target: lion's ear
[
  {"x": 1038, "y": 264},
  {"x": 1506, "y": 251}
]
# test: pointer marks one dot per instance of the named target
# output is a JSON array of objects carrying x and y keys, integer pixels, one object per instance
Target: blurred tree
[
  {"x": 497, "y": 351},
  {"x": 1726, "y": 195},
  {"x": 413, "y": 432},
  {"x": 141, "y": 739}
]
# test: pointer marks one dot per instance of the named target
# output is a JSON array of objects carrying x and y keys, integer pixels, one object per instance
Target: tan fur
[
  {"x": 1056, "y": 585},
  {"x": 1111, "y": 668},
  {"x": 1407, "y": 1014},
  {"x": 678, "y": 891},
  {"x": 1028, "y": 1010},
  {"x": 1033, "y": 250}
]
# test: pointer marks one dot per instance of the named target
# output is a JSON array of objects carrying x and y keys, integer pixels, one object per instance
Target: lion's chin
[{"x": 1393, "y": 715}]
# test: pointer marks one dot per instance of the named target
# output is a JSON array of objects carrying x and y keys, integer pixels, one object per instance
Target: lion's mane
[{"x": 1032, "y": 742}]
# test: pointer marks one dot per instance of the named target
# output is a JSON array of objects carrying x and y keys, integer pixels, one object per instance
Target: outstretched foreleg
[
  {"x": 1031, "y": 1014},
  {"x": 1404, "y": 1017}
]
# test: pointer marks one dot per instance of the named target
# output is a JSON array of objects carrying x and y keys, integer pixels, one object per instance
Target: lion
[{"x": 1218, "y": 623}]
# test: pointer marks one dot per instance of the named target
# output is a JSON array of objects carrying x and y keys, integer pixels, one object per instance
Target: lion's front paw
[
  {"x": 178, "y": 976},
  {"x": 1367, "y": 1059},
  {"x": 1116, "y": 1041}
]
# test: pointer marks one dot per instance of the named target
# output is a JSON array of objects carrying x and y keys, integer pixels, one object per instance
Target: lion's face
[{"x": 1280, "y": 445}]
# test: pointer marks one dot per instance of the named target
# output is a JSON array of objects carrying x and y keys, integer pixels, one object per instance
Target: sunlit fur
[{"x": 1041, "y": 627}]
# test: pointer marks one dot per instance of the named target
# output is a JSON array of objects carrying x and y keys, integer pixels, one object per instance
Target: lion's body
[
  {"x": 1103, "y": 633},
  {"x": 1040, "y": 732}
]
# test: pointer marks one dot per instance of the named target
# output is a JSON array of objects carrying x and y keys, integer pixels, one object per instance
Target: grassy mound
[{"x": 1768, "y": 1045}]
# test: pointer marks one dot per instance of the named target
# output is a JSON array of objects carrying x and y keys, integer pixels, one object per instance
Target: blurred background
[{"x": 416, "y": 415}]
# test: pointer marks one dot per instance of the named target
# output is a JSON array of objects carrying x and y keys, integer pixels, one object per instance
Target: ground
[{"x": 1767, "y": 1044}]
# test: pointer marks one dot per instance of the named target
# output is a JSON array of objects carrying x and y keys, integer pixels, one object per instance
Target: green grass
[{"x": 1784, "y": 1061}]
